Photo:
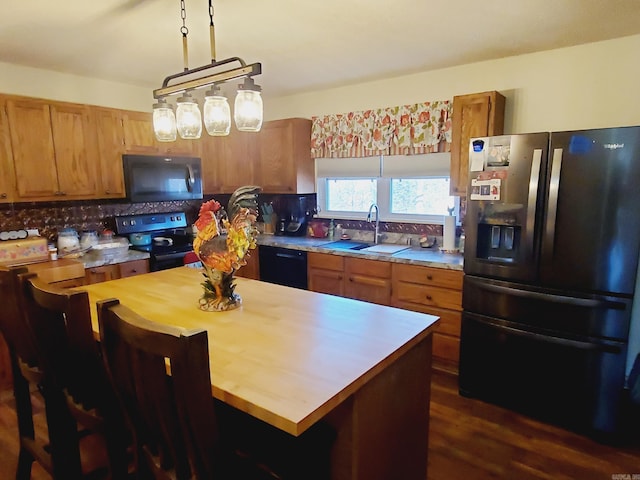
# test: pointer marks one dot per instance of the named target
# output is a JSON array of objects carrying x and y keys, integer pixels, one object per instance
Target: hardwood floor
[{"x": 468, "y": 439}]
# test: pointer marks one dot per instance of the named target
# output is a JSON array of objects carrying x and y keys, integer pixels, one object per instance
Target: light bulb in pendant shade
[
  {"x": 217, "y": 114},
  {"x": 188, "y": 118},
  {"x": 164, "y": 121},
  {"x": 247, "y": 111}
]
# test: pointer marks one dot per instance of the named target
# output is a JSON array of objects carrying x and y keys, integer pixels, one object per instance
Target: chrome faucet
[{"x": 377, "y": 229}]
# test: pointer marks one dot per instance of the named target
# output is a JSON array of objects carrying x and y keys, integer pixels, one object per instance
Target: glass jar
[
  {"x": 68, "y": 241},
  {"x": 88, "y": 239}
]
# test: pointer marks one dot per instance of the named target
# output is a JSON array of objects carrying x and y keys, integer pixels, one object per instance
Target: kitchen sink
[
  {"x": 387, "y": 248},
  {"x": 346, "y": 245}
]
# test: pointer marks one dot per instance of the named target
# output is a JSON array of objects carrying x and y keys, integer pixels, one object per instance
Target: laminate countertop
[{"x": 430, "y": 257}]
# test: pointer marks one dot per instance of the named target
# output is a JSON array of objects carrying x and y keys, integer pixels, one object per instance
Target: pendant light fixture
[
  {"x": 187, "y": 121},
  {"x": 217, "y": 114},
  {"x": 164, "y": 121}
]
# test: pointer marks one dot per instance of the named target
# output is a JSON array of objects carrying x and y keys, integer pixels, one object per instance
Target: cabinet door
[
  {"x": 74, "y": 142},
  {"x": 368, "y": 280},
  {"x": 32, "y": 144},
  {"x": 138, "y": 133},
  {"x": 7, "y": 175},
  {"x": 110, "y": 136},
  {"x": 252, "y": 268},
  {"x": 285, "y": 164},
  {"x": 475, "y": 115},
  {"x": 325, "y": 273},
  {"x": 229, "y": 162},
  {"x": 139, "y": 137}
]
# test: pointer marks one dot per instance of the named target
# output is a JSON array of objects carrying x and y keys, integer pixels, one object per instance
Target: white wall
[
  {"x": 34, "y": 82},
  {"x": 588, "y": 86}
]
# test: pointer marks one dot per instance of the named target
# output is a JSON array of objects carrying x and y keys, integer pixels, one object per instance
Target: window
[
  {"x": 406, "y": 189},
  {"x": 420, "y": 196}
]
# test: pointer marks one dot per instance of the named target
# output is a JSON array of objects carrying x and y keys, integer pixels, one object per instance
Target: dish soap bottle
[{"x": 332, "y": 229}]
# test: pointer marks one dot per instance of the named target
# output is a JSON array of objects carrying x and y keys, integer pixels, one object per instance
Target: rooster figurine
[{"x": 222, "y": 245}]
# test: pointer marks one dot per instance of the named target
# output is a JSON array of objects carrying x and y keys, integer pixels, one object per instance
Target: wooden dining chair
[
  {"x": 161, "y": 374},
  {"x": 61, "y": 322},
  {"x": 55, "y": 454}
]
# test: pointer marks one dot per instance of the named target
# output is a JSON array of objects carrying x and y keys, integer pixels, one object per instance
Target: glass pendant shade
[
  {"x": 217, "y": 114},
  {"x": 188, "y": 118},
  {"x": 164, "y": 122},
  {"x": 248, "y": 107}
]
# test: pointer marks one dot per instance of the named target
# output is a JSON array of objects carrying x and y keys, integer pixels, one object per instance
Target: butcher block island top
[{"x": 293, "y": 357}]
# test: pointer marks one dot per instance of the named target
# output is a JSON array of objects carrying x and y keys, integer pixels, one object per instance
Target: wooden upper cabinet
[
  {"x": 285, "y": 164},
  {"x": 75, "y": 146},
  {"x": 110, "y": 138},
  {"x": 229, "y": 162},
  {"x": 138, "y": 133},
  {"x": 139, "y": 137},
  {"x": 33, "y": 151},
  {"x": 7, "y": 175},
  {"x": 54, "y": 149},
  {"x": 474, "y": 115}
]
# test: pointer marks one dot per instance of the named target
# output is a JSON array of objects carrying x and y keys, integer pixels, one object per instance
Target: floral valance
[{"x": 405, "y": 130}]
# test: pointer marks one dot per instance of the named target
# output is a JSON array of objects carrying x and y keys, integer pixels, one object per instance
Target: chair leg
[
  {"x": 25, "y": 462},
  {"x": 63, "y": 436}
]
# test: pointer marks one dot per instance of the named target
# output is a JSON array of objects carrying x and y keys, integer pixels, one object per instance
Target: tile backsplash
[{"x": 50, "y": 217}]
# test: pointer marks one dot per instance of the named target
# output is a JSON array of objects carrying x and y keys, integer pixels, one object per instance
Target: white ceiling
[{"x": 303, "y": 45}]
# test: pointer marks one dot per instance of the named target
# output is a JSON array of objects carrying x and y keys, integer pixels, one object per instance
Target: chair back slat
[{"x": 161, "y": 374}]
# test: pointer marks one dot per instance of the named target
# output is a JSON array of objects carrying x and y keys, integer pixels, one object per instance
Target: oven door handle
[{"x": 169, "y": 256}]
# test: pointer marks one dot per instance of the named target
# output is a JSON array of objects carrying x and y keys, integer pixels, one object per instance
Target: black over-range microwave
[{"x": 162, "y": 178}]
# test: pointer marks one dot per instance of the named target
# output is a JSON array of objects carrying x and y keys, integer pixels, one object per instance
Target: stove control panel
[{"x": 149, "y": 222}]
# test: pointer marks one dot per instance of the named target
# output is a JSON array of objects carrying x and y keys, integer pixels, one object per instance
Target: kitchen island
[{"x": 292, "y": 357}]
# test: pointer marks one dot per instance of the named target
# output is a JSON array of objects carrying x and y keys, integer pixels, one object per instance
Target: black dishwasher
[{"x": 283, "y": 266}]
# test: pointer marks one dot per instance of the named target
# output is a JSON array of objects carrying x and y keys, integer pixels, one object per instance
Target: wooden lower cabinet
[
  {"x": 325, "y": 273},
  {"x": 436, "y": 291},
  {"x": 357, "y": 278},
  {"x": 252, "y": 268},
  {"x": 368, "y": 280},
  {"x": 105, "y": 273}
]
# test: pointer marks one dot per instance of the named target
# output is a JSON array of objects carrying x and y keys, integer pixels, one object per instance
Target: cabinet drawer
[
  {"x": 325, "y": 261},
  {"x": 430, "y": 296},
  {"x": 440, "y": 277},
  {"x": 450, "y": 320},
  {"x": 129, "y": 269},
  {"x": 371, "y": 268}
]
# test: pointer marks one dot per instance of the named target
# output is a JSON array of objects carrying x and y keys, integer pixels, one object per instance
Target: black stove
[{"x": 169, "y": 239}]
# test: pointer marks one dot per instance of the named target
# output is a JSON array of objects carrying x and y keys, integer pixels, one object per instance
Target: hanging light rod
[{"x": 243, "y": 71}]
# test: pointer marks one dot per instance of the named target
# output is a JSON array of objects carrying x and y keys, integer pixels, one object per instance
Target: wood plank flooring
[{"x": 468, "y": 439}]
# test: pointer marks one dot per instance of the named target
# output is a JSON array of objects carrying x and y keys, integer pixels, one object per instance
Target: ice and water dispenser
[{"x": 497, "y": 201}]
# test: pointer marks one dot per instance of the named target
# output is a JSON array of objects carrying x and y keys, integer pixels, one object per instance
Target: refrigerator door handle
[
  {"x": 554, "y": 187},
  {"x": 608, "y": 347},
  {"x": 534, "y": 180},
  {"x": 578, "y": 302}
]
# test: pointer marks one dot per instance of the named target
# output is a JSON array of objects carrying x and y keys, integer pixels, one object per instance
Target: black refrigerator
[{"x": 553, "y": 236}]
